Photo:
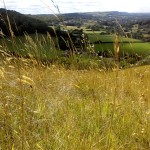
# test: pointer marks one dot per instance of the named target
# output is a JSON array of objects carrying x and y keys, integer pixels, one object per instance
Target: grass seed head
[
  {"x": 25, "y": 80},
  {"x": 1, "y": 73}
]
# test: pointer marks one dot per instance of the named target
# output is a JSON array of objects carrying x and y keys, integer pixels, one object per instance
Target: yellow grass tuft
[
  {"x": 74, "y": 109},
  {"x": 25, "y": 80}
]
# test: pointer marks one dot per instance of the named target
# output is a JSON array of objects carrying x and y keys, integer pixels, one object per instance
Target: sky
[{"x": 70, "y": 6}]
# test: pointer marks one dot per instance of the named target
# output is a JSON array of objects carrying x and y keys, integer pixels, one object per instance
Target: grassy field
[
  {"x": 127, "y": 45},
  {"x": 142, "y": 49},
  {"x": 72, "y": 103},
  {"x": 53, "y": 108},
  {"x": 78, "y": 102},
  {"x": 109, "y": 38}
]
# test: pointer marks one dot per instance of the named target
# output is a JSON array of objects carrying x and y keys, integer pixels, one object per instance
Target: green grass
[
  {"x": 92, "y": 32},
  {"x": 43, "y": 46},
  {"x": 38, "y": 46},
  {"x": 127, "y": 45},
  {"x": 93, "y": 37},
  {"x": 43, "y": 49},
  {"x": 54, "y": 108},
  {"x": 142, "y": 49}
]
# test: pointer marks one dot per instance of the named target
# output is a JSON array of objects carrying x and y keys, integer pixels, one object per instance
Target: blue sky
[{"x": 68, "y": 6}]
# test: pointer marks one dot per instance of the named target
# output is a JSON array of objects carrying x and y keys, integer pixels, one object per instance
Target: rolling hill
[{"x": 20, "y": 23}]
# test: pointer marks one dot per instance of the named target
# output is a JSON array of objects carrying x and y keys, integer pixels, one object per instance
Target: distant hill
[
  {"x": 93, "y": 15},
  {"x": 21, "y": 23}
]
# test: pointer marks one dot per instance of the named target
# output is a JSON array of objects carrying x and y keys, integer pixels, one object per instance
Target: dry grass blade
[
  {"x": 116, "y": 47},
  {"x": 53, "y": 106}
]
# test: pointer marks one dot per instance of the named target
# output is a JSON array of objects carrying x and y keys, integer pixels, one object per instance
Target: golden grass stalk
[
  {"x": 116, "y": 48},
  {"x": 9, "y": 24},
  {"x": 25, "y": 80}
]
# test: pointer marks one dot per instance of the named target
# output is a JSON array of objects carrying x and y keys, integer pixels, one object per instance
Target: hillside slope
[{"x": 20, "y": 23}]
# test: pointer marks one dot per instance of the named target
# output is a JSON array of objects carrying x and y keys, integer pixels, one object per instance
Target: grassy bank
[{"x": 54, "y": 108}]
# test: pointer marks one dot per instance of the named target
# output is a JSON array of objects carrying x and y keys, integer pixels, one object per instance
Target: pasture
[
  {"x": 93, "y": 37},
  {"x": 50, "y": 107},
  {"x": 142, "y": 49},
  {"x": 83, "y": 106},
  {"x": 127, "y": 45}
]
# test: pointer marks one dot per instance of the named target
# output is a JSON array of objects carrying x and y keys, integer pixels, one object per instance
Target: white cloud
[{"x": 46, "y": 6}]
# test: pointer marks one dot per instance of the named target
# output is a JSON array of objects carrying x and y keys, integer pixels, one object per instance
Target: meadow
[
  {"x": 53, "y": 102},
  {"x": 52, "y": 107},
  {"x": 95, "y": 36},
  {"x": 142, "y": 49},
  {"x": 127, "y": 45}
]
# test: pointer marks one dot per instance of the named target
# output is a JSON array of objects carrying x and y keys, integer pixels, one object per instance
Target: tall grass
[
  {"x": 51, "y": 106},
  {"x": 54, "y": 108}
]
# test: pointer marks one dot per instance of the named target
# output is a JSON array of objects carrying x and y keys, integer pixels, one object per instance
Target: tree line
[{"x": 21, "y": 24}]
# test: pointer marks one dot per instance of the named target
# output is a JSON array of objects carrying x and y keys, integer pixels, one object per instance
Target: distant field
[
  {"x": 74, "y": 27},
  {"x": 53, "y": 108},
  {"x": 142, "y": 49},
  {"x": 93, "y": 37},
  {"x": 127, "y": 45},
  {"x": 92, "y": 32},
  {"x": 87, "y": 31}
]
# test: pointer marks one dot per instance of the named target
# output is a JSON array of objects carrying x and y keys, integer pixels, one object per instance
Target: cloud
[
  {"x": 47, "y": 6},
  {"x": 29, "y": 6}
]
